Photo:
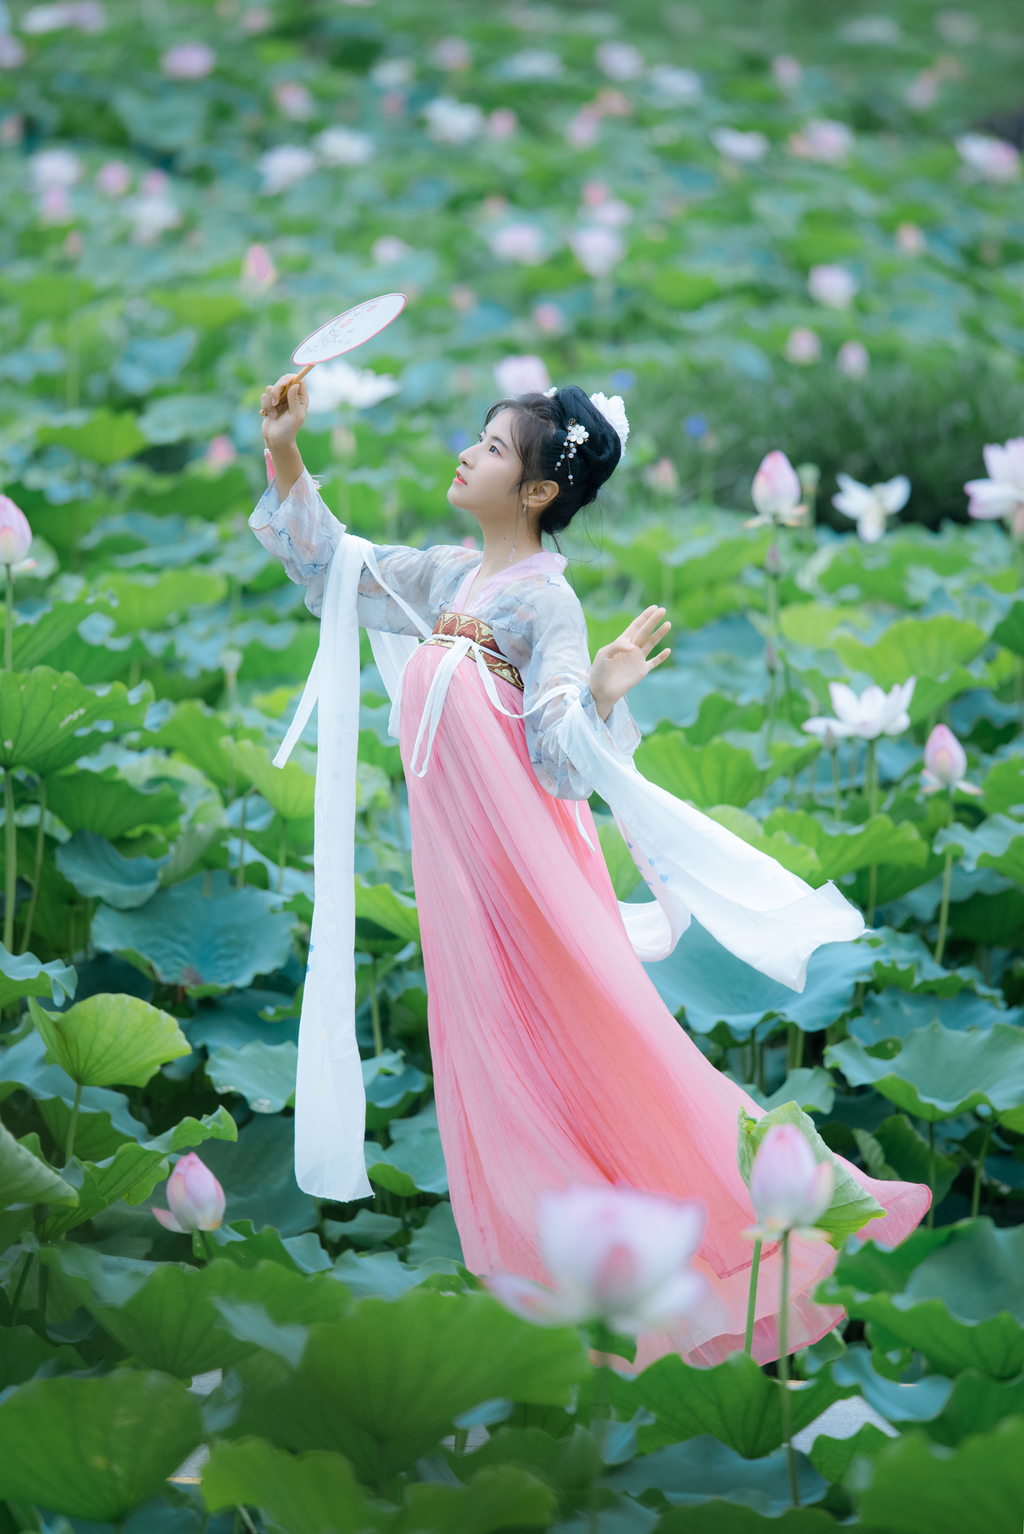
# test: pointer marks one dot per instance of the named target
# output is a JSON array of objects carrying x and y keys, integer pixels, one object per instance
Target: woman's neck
[{"x": 508, "y": 547}]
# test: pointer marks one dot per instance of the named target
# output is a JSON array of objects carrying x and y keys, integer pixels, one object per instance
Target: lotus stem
[
  {"x": 240, "y": 875},
  {"x": 794, "y": 1484},
  {"x": 931, "y": 1173},
  {"x": 1018, "y": 689},
  {"x": 871, "y": 784},
  {"x": 794, "y": 1047},
  {"x": 30, "y": 1258},
  {"x": 378, "y": 1035},
  {"x": 755, "y": 1268},
  {"x": 978, "y": 1170},
  {"x": 10, "y": 859},
  {"x": 37, "y": 872},
  {"x": 282, "y": 856},
  {"x": 837, "y": 787},
  {"x": 69, "y": 1143},
  {"x": 9, "y": 621},
  {"x": 947, "y": 879}
]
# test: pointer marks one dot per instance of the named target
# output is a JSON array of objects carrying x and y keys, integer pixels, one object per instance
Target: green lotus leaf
[
  {"x": 106, "y": 437},
  {"x": 202, "y": 934},
  {"x": 386, "y": 908},
  {"x": 715, "y": 774},
  {"x": 257, "y": 1174},
  {"x": 894, "y": 1014},
  {"x": 95, "y": 1448},
  {"x": 437, "y": 1239},
  {"x": 98, "y": 870},
  {"x": 717, "y": 1517},
  {"x": 288, "y": 789},
  {"x": 921, "y": 647},
  {"x": 978, "y": 1486},
  {"x": 25, "y": 1179},
  {"x": 35, "y": 637},
  {"x": 104, "y": 1121},
  {"x": 110, "y": 1040},
  {"x": 23, "y": 975},
  {"x": 195, "y": 732},
  {"x": 104, "y": 803},
  {"x": 263, "y": 1073},
  {"x": 1009, "y": 631},
  {"x": 812, "y": 1088},
  {"x": 24, "y": 1352},
  {"x": 147, "y": 601},
  {"x": 622, "y": 871},
  {"x": 702, "y": 1468},
  {"x": 902, "y": 959},
  {"x": 46, "y": 717},
  {"x": 382, "y": 1275},
  {"x": 904, "y": 1154},
  {"x": 940, "y": 1073},
  {"x": 785, "y": 849},
  {"x": 832, "y": 1457},
  {"x": 734, "y": 1401},
  {"x": 917, "y": 1401},
  {"x": 383, "y": 1385},
  {"x": 852, "y": 1206},
  {"x": 842, "y": 849},
  {"x": 1004, "y": 786},
  {"x": 414, "y": 1162},
  {"x": 812, "y": 624},
  {"x": 176, "y": 417}
]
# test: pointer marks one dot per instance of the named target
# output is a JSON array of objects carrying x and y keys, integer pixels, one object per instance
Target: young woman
[{"x": 555, "y": 1060}]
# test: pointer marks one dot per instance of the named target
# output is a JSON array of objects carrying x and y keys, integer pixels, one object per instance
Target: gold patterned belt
[{"x": 452, "y": 626}]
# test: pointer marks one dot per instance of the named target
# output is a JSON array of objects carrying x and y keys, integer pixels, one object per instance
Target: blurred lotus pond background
[{"x": 771, "y": 226}]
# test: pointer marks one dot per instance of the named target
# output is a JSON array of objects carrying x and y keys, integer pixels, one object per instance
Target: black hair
[{"x": 540, "y": 423}]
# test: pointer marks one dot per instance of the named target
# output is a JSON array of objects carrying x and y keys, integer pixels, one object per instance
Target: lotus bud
[
  {"x": 944, "y": 756},
  {"x": 771, "y": 658},
  {"x": 15, "y": 533},
  {"x": 773, "y": 561},
  {"x": 195, "y": 1196},
  {"x": 788, "y": 1187}
]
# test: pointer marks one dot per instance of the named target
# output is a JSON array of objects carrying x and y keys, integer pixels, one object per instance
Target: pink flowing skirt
[{"x": 555, "y": 1060}]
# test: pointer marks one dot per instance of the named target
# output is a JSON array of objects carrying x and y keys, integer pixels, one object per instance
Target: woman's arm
[{"x": 620, "y": 665}]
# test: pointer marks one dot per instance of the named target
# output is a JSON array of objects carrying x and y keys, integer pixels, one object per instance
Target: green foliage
[
  {"x": 980, "y": 1485},
  {"x": 940, "y": 1073},
  {"x": 109, "y": 1039},
  {"x": 46, "y": 715},
  {"x": 23, "y": 975}
]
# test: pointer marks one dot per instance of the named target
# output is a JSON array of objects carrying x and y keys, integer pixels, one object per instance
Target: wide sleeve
[
  {"x": 560, "y": 658},
  {"x": 303, "y": 534}
]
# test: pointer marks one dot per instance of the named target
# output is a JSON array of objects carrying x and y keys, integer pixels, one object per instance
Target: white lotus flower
[
  {"x": 522, "y": 375},
  {"x": 674, "y": 87},
  {"x": 520, "y": 241},
  {"x": 339, "y": 383},
  {"x": 776, "y": 493},
  {"x": 803, "y": 346},
  {"x": 54, "y": 167},
  {"x": 853, "y": 359},
  {"x": 389, "y": 249},
  {"x": 453, "y": 122},
  {"x": 343, "y": 146},
  {"x": 597, "y": 248},
  {"x": 1002, "y": 494},
  {"x": 910, "y": 240},
  {"x": 285, "y": 166},
  {"x": 869, "y": 506},
  {"x": 451, "y": 53},
  {"x": 874, "y": 713},
  {"x": 832, "y": 285},
  {"x": 740, "y": 148},
  {"x": 532, "y": 64},
  {"x": 991, "y": 158},
  {"x": 619, "y": 61},
  {"x": 614, "y": 1254}
]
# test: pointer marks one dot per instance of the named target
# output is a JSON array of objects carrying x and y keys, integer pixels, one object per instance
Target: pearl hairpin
[{"x": 575, "y": 435}]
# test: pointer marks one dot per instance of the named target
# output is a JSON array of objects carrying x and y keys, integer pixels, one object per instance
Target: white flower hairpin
[{"x": 614, "y": 412}]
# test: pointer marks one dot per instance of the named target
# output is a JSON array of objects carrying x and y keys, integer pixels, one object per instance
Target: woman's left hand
[{"x": 620, "y": 665}]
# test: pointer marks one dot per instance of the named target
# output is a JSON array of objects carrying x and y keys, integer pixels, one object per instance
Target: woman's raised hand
[
  {"x": 284, "y": 405},
  {"x": 620, "y": 665}
]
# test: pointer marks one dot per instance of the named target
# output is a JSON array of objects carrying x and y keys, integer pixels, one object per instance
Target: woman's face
[{"x": 487, "y": 478}]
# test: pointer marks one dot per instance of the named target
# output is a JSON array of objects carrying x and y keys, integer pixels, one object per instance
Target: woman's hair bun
[{"x": 540, "y": 425}]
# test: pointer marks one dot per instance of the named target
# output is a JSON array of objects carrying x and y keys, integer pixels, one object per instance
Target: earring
[{"x": 519, "y": 525}]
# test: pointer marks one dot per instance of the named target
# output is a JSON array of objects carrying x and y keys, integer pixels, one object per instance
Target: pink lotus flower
[
  {"x": 195, "y": 1196},
  {"x": 549, "y": 319},
  {"x": 945, "y": 764},
  {"x": 615, "y": 1254},
  {"x": 823, "y": 140},
  {"x": 597, "y": 249},
  {"x": 832, "y": 285},
  {"x": 583, "y": 127},
  {"x": 803, "y": 346},
  {"x": 909, "y": 239},
  {"x": 522, "y": 375},
  {"x": 221, "y": 453},
  {"x": 55, "y": 206},
  {"x": 256, "y": 19},
  {"x": 787, "y": 72},
  {"x": 853, "y": 359},
  {"x": 519, "y": 241},
  {"x": 188, "y": 61},
  {"x": 294, "y": 101},
  {"x": 662, "y": 477},
  {"x": 789, "y": 1189},
  {"x": 993, "y": 159},
  {"x": 451, "y": 53},
  {"x": 15, "y": 533},
  {"x": 740, "y": 148},
  {"x": 258, "y": 270},
  {"x": 1002, "y": 494},
  {"x": 389, "y": 249},
  {"x": 113, "y": 178},
  {"x": 776, "y": 492},
  {"x": 874, "y": 713},
  {"x": 619, "y": 61},
  {"x": 502, "y": 124}
]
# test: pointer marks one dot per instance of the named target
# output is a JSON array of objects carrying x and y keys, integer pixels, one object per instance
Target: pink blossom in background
[
  {"x": 156, "y": 183},
  {"x": 853, "y": 359},
  {"x": 615, "y": 1254},
  {"x": 662, "y": 477},
  {"x": 463, "y": 298},
  {"x": 15, "y": 532},
  {"x": 521, "y": 241},
  {"x": 343, "y": 146},
  {"x": 255, "y": 19},
  {"x": 389, "y": 249},
  {"x": 12, "y": 129},
  {"x": 789, "y": 1188},
  {"x": 188, "y": 61},
  {"x": 451, "y": 53},
  {"x": 453, "y": 122},
  {"x": 993, "y": 159},
  {"x": 1001, "y": 496},
  {"x": 220, "y": 453},
  {"x": 86, "y": 16},
  {"x": 776, "y": 491},
  {"x": 294, "y": 101},
  {"x": 258, "y": 269},
  {"x": 55, "y": 205},
  {"x": 54, "y": 167},
  {"x": 595, "y": 193},
  {"x": 195, "y": 1197},
  {"x": 803, "y": 346},
  {"x": 787, "y": 72},
  {"x": 619, "y": 61},
  {"x": 584, "y": 127},
  {"x": 114, "y": 178},
  {"x": 73, "y": 245},
  {"x": 739, "y": 148},
  {"x": 945, "y": 764},
  {"x": 12, "y": 52},
  {"x": 502, "y": 123},
  {"x": 910, "y": 240},
  {"x": 833, "y": 286},
  {"x": 598, "y": 250},
  {"x": 549, "y": 319},
  {"x": 522, "y": 375},
  {"x": 612, "y": 212},
  {"x": 285, "y": 166},
  {"x": 923, "y": 90},
  {"x": 823, "y": 140}
]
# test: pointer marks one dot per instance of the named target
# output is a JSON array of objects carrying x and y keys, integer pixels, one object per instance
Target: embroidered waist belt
[{"x": 452, "y": 626}]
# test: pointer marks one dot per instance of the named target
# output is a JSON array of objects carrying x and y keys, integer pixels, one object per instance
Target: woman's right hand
[{"x": 285, "y": 404}]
